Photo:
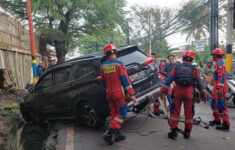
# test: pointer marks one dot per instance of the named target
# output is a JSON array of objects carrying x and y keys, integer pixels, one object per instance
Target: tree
[
  {"x": 195, "y": 16},
  {"x": 96, "y": 42},
  {"x": 62, "y": 22},
  {"x": 159, "y": 23}
]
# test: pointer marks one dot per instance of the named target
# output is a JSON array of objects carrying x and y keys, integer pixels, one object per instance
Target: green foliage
[
  {"x": 195, "y": 15},
  {"x": 159, "y": 23},
  {"x": 14, "y": 105},
  {"x": 62, "y": 22},
  {"x": 201, "y": 56},
  {"x": 15, "y": 108},
  {"x": 96, "y": 42}
]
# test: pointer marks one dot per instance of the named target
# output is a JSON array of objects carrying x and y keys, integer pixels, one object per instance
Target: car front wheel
[{"x": 90, "y": 116}]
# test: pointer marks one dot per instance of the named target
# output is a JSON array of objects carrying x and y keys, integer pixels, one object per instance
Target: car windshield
[{"x": 133, "y": 57}]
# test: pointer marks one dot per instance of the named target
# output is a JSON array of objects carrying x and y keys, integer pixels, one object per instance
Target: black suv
[{"x": 70, "y": 89}]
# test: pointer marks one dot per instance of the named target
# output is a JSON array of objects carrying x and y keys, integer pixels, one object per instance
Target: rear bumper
[{"x": 145, "y": 97}]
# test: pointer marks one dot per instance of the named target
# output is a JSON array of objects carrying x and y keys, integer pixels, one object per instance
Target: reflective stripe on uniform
[
  {"x": 111, "y": 64},
  {"x": 220, "y": 84},
  {"x": 118, "y": 120},
  {"x": 175, "y": 118},
  {"x": 188, "y": 121},
  {"x": 123, "y": 92},
  {"x": 224, "y": 113},
  {"x": 128, "y": 87}
]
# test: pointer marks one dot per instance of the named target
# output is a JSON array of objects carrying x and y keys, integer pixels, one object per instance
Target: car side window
[
  {"x": 62, "y": 75},
  {"x": 83, "y": 70},
  {"x": 45, "y": 82}
]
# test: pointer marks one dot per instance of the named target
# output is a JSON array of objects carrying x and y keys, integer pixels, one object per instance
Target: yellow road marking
[{"x": 70, "y": 139}]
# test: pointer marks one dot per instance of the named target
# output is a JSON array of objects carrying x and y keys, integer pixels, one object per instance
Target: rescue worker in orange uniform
[
  {"x": 116, "y": 80},
  {"x": 220, "y": 88},
  {"x": 186, "y": 76}
]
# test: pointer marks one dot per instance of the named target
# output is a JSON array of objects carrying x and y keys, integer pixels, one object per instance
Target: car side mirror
[
  {"x": 31, "y": 90},
  {"x": 39, "y": 88},
  {"x": 30, "y": 87}
]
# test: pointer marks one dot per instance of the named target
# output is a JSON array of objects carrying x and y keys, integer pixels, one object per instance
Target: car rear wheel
[{"x": 90, "y": 116}]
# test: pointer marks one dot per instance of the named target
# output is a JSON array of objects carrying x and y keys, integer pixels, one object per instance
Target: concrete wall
[{"x": 15, "y": 52}]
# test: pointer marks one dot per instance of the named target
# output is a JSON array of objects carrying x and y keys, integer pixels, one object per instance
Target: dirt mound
[{"x": 9, "y": 111}]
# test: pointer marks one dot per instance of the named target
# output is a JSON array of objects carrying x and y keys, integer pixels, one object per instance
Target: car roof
[{"x": 93, "y": 56}]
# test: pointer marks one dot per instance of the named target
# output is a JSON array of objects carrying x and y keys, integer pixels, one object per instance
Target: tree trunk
[
  {"x": 60, "y": 45},
  {"x": 60, "y": 51}
]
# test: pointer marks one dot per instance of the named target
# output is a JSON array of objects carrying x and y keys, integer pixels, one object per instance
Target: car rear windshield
[{"x": 132, "y": 56}]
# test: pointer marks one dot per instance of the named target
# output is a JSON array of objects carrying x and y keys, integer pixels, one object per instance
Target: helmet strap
[
  {"x": 111, "y": 52},
  {"x": 186, "y": 58},
  {"x": 218, "y": 56}
]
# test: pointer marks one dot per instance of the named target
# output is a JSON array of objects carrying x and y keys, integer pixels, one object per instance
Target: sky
[
  {"x": 161, "y": 3},
  {"x": 174, "y": 40}
]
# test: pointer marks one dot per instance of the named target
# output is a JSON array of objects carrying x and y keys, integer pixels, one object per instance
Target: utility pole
[
  {"x": 214, "y": 25},
  {"x": 128, "y": 37},
  {"x": 217, "y": 23},
  {"x": 32, "y": 44},
  {"x": 150, "y": 32},
  {"x": 229, "y": 35}
]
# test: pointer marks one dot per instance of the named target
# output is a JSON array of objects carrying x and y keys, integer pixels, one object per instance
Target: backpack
[{"x": 184, "y": 75}]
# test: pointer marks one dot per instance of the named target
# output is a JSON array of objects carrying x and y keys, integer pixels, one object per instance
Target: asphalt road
[{"x": 147, "y": 133}]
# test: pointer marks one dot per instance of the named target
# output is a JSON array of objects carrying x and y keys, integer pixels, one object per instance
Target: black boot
[
  {"x": 108, "y": 136},
  {"x": 214, "y": 122},
  {"x": 173, "y": 134},
  {"x": 224, "y": 126},
  {"x": 118, "y": 136},
  {"x": 186, "y": 134}
]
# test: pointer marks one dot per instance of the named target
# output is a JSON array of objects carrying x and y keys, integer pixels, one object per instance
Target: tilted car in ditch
[{"x": 70, "y": 89}]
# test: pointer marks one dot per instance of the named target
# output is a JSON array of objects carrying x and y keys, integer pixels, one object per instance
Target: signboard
[{"x": 200, "y": 45}]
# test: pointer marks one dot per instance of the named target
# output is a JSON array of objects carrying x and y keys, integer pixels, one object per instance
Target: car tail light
[
  {"x": 99, "y": 78},
  {"x": 148, "y": 62}
]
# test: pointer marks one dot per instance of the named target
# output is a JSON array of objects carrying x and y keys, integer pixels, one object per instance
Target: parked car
[{"x": 70, "y": 89}]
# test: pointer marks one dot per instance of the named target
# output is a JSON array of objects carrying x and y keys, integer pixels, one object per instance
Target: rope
[
  {"x": 196, "y": 121},
  {"x": 136, "y": 130}
]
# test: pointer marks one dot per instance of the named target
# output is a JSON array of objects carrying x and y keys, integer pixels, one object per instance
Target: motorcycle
[
  {"x": 230, "y": 96},
  {"x": 231, "y": 93}
]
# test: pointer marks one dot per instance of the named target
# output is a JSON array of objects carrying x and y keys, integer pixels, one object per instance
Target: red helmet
[
  {"x": 218, "y": 51},
  {"x": 109, "y": 47},
  {"x": 189, "y": 53}
]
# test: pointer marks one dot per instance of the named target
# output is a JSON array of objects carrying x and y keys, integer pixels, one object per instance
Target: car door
[
  {"x": 85, "y": 83},
  {"x": 60, "y": 102},
  {"x": 43, "y": 94}
]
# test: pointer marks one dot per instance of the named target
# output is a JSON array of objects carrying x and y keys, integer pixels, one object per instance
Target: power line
[
  {"x": 178, "y": 27},
  {"x": 175, "y": 20}
]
